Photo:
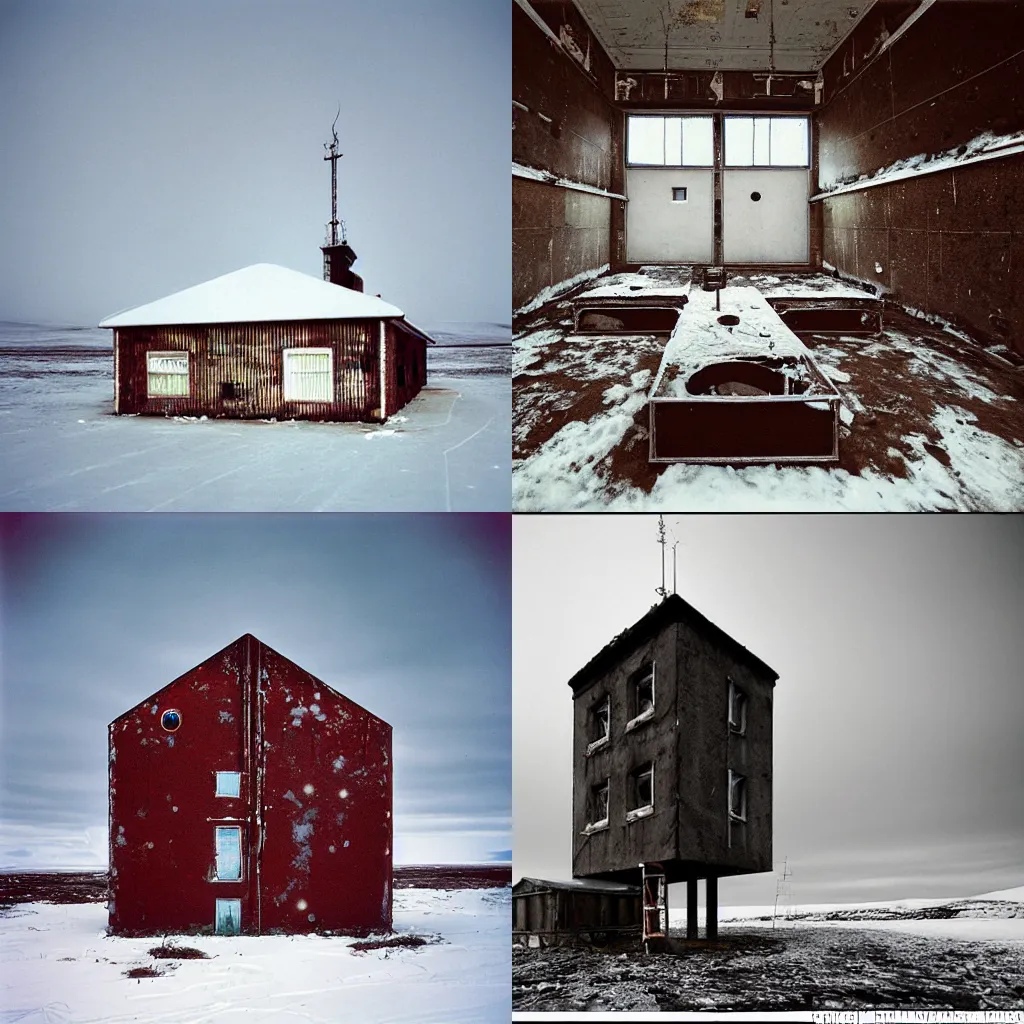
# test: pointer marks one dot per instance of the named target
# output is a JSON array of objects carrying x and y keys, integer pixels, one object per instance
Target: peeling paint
[
  {"x": 294, "y": 799},
  {"x": 338, "y": 763},
  {"x": 346, "y": 842},
  {"x": 308, "y": 789},
  {"x": 302, "y": 832},
  {"x": 170, "y": 741},
  {"x": 226, "y": 716}
]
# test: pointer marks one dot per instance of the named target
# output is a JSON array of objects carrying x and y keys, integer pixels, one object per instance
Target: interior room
[{"x": 765, "y": 254}]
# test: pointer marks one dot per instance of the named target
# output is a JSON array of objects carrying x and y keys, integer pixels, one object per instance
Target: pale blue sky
[
  {"x": 408, "y": 615},
  {"x": 150, "y": 145}
]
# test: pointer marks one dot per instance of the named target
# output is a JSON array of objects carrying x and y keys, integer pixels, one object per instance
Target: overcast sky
[
  {"x": 899, "y": 710},
  {"x": 149, "y": 146},
  {"x": 408, "y": 615}
]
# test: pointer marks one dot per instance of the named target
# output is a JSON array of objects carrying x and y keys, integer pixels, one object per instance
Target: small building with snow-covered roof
[{"x": 266, "y": 341}]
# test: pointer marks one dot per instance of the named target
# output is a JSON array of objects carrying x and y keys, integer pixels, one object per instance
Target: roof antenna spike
[{"x": 661, "y": 591}]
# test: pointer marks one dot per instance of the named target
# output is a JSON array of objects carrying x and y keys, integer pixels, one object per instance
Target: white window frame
[
  {"x": 287, "y": 376},
  {"x": 601, "y": 823},
  {"x": 225, "y": 777},
  {"x": 665, "y": 118},
  {"x": 645, "y": 810},
  {"x": 218, "y": 830},
  {"x": 635, "y": 681},
  {"x": 737, "y": 710},
  {"x": 739, "y": 783},
  {"x": 177, "y": 355},
  {"x": 767, "y": 120}
]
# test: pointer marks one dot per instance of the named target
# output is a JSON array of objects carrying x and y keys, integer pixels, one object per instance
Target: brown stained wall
[
  {"x": 557, "y": 233},
  {"x": 950, "y": 242},
  {"x": 571, "y": 129},
  {"x": 406, "y": 367},
  {"x": 251, "y": 355}
]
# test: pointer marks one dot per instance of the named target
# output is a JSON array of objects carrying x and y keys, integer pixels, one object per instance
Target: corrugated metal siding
[
  {"x": 406, "y": 353},
  {"x": 237, "y": 370}
]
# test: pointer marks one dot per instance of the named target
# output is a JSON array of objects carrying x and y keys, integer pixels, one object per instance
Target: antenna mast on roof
[
  {"x": 661, "y": 591},
  {"x": 333, "y": 155}
]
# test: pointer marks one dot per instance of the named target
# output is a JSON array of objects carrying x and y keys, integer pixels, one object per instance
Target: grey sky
[
  {"x": 898, "y": 712},
  {"x": 408, "y": 615},
  {"x": 149, "y": 146}
]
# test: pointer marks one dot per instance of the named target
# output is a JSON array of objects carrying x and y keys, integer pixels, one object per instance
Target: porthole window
[{"x": 171, "y": 720}]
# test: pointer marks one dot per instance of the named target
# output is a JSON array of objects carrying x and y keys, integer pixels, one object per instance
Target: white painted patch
[
  {"x": 346, "y": 842},
  {"x": 149, "y": 846},
  {"x": 312, "y": 917},
  {"x": 315, "y": 708},
  {"x": 175, "y": 809},
  {"x": 338, "y": 764},
  {"x": 302, "y": 904},
  {"x": 343, "y": 793},
  {"x": 316, "y": 696},
  {"x": 330, "y": 849},
  {"x": 308, "y": 789}
]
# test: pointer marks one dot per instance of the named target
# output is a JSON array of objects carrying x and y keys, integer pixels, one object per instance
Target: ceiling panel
[{"x": 710, "y": 34}]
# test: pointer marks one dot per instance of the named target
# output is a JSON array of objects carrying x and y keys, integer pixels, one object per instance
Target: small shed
[
  {"x": 546, "y": 913},
  {"x": 267, "y": 342},
  {"x": 249, "y": 796}
]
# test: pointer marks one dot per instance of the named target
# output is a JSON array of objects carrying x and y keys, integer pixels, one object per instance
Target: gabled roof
[
  {"x": 672, "y": 609},
  {"x": 262, "y": 292}
]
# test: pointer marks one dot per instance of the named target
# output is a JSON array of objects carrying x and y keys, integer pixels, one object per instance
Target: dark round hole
[
  {"x": 756, "y": 196},
  {"x": 171, "y": 720},
  {"x": 728, "y": 320}
]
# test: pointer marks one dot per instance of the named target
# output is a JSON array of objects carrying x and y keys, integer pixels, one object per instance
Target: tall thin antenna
[
  {"x": 661, "y": 591},
  {"x": 333, "y": 155},
  {"x": 674, "y": 546},
  {"x": 778, "y": 888}
]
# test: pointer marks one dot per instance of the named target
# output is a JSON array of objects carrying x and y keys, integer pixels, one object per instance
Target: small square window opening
[
  {"x": 229, "y": 783},
  {"x": 678, "y": 195}
]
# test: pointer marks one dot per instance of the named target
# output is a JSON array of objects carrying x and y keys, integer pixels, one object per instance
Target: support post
[
  {"x": 691, "y": 908},
  {"x": 711, "y": 886}
]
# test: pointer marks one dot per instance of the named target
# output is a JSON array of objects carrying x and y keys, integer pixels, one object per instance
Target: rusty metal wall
[
  {"x": 563, "y": 121},
  {"x": 948, "y": 242},
  {"x": 408, "y": 352},
  {"x": 306, "y": 848},
  {"x": 250, "y": 356}
]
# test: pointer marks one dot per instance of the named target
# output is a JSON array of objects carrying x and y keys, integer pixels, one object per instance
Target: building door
[{"x": 228, "y": 917}]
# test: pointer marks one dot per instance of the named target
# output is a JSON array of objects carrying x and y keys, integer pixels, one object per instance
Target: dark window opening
[
  {"x": 643, "y": 787},
  {"x": 401, "y": 375},
  {"x": 600, "y": 721},
  {"x": 756, "y": 196},
  {"x": 642, "y": 691},
  {"x": 737, "y": 796},
  {"x": 737, "y": 709},
  {"x": 597, "y": 810},
  {"x": 230, "y": 389},
  {"x": 678, "y": 195}
]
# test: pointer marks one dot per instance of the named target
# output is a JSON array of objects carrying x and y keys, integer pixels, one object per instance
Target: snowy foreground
[
  {"x": 61, "y": 449},
  {"x": 904, "y": 954},
  {"x": 60, "y": 966}
]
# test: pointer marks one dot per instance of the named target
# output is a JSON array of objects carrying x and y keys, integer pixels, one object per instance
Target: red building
[{"x": 247, "y": 795}]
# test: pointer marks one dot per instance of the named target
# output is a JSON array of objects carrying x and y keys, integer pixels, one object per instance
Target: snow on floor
[
  {"x": 933, "y": 426},
  {"x": 61, "y": 449},
  {"x": 60, "y": 966}
]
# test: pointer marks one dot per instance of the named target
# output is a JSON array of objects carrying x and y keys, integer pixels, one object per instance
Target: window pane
[
  {"x": 789, "y": 141},
  {"x": 167, "y": 374},
  {"x": 698, "y": 142},
  {"x": 228, "y": 783},
  {"x": 229, "y": 853},
  {"x": 673, "y": 140},
  {"x": 739, "y": 141},
  {"x": 646, "y": 140},
  {"x": 761, "y": 129},
  {"x": 307, "y": 375}
]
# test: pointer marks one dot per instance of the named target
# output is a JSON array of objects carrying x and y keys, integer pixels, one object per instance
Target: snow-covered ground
[
  {"x": 898, "y": 954},
  {"x": 61, "y": 449},
  {"x": 60, "y": 966}
]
